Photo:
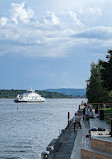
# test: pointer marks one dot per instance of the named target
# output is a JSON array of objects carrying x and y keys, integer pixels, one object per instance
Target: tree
[
  {"x": 99, "y": 85},
  {"x": 107, "y": 71},
  {"x": 95, "y": 91}
]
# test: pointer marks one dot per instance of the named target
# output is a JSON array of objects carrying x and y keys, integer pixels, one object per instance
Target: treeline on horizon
[
  {"x": 99, "y": 85},
  {"x": 13, "y": 93}
]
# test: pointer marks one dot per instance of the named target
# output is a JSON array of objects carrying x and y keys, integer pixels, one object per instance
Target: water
[{"x": 25, "y": 132}]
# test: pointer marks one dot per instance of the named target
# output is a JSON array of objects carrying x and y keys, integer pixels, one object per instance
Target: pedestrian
[
  {"x": 90, "y": 113},
  {"x": 68, "y": 117},
  {"x": 76, "y": 120},
  {"x": 83, "y": 113},
  {"x": 86, "y": 114},
  {"x": 82, "y": 103}
]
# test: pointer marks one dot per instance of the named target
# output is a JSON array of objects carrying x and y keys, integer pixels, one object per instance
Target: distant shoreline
[
  {"x": 53, "y": 98},
  {"x": 11, "y": 94}
]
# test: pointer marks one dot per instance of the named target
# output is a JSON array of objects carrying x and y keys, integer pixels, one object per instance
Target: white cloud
[
  {"x": 3, "y": 21},
  {"x": 97, "y": 11},
  {"x": 101, "y": 32},
  {"x": 74, "y": 17},
  {"x": 48, "y": 42},
  {"x": 52, "y": 36},
  {"x": 51, "y": 18},
  {"x": 20, "y": 13}
]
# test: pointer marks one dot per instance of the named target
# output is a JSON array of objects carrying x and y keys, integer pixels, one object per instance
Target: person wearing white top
[
  {"x": 86, "y": 113},
  {"x": 76, "y": 120},
  {"x": 90, "y": 113}
]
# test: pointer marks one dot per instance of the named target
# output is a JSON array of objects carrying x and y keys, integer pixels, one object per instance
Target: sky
[{"x": 52, "y": 43}]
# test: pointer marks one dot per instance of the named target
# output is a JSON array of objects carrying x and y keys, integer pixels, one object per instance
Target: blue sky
[{"x": 51, "y": 43}]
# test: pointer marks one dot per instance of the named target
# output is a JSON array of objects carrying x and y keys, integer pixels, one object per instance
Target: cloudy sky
[{"x": 51, "y": 43}]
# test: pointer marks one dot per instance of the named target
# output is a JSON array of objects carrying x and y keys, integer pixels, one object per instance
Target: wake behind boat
[{"x": 29, "y": 96}]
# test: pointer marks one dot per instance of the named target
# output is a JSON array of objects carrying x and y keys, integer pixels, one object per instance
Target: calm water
[{"x": 26, "y": 132}]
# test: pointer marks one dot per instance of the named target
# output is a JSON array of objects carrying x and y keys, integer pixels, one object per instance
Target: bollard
[{"x": 111, "y": 126}]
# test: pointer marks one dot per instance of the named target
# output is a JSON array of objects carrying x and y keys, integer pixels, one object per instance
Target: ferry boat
[{"x": 29, "y": 96}]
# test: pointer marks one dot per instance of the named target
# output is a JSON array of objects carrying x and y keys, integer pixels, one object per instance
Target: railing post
[{"x": 68, "y": 117}]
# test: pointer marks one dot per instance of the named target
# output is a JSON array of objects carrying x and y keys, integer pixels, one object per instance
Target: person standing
[
  {"x": 76, "y": 121},
  {"x": 86, "y": 114},
  {"x": 90, "y": 113},
  {"x": 68, "y": 118},
  {"x": 83, "y": 113}
]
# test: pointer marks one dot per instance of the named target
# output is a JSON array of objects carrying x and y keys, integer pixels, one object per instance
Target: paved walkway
[
  {"x": 71, "y": 143},
  {"x": 83, "y": 142},
  {"x": 80, "y": 140},
  {"x": 100, "y": 135},
  {"x": 66, "y": 144}
]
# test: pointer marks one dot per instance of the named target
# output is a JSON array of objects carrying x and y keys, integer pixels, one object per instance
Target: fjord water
[{"x": 25, "y": 132}]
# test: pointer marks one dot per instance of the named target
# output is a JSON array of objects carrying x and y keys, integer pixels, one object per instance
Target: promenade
[{"x": 90, "y": 142}]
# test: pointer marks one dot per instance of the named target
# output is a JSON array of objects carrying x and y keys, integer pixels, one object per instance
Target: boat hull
[{"x": 17, "y": 101}]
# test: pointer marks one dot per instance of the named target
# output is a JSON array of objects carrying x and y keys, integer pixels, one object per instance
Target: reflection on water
[{"x": 25, "y": 132}]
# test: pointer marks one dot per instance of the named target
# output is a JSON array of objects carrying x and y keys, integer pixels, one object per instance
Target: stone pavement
[
  {"x": 92, "y": 147},
  {"x": 66, "y": 144},
  {"x": 80, "y": 140},
  {"x": 70, "y": 142},
  {"x": 72, "y": 145},
  {"x": 101, "y": 124}
]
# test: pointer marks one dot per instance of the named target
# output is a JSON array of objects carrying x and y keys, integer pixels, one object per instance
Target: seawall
[
  {"x": 93, "y": 141},
  {"x": 61, "y": 148}
]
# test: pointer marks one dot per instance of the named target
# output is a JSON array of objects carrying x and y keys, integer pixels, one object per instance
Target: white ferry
[{"x": 29, "y": 96}]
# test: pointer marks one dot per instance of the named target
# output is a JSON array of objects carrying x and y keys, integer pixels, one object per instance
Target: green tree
[
  {"x": 107, "y": 71},
  {"x": 95, "y": 91}
]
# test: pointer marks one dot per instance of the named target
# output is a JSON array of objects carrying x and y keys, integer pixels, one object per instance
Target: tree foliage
[{"x": 99, "y": 85}]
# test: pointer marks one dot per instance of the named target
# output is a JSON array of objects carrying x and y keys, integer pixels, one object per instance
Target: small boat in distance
[{"x": 29, "y": 96}]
